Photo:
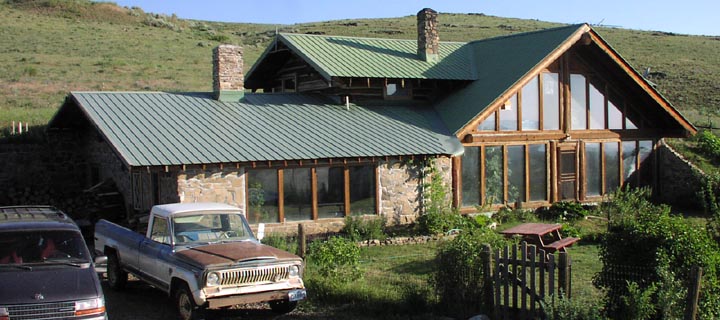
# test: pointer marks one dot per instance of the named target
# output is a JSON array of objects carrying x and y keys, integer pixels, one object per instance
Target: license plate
[{"x": 297, "y": 295}]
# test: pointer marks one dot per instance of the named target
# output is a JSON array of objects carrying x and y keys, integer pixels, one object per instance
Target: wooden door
[{"x": 568, "y": 171}]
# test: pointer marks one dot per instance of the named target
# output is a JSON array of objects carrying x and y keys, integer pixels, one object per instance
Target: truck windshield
[
  {"x": 23, "y": 247},
  {"x": 210, "y": 227}
]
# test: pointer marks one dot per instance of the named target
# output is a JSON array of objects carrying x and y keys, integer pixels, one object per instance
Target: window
[
  {"x": 510, "y": 174},
  {"x": 551, "y": 101},
  {"x": 629, "y": 159},
  {"x": 362, "y": 190},
  {"x": 331, "y": 197},
  {"x": 597, "y": 108},
  {"x": 297, "y": 194},
  {"x": 160, "y": 231},
  {"x": 397, "y": 89},
  {"x": 615, "y": 117},
  {"x": 471, "y": 177},
  {"x": 530, "y": 101},
  {"x": 612, "y": 166},
  {"x": 488, "y": 124},
  {"x": 262, "y": 196},
  {"x": 509, "y": 115},
  {"x": 333, "y": 185},
  {"x": 593, "y": 169},
  {"x": 578, "y": 107}
]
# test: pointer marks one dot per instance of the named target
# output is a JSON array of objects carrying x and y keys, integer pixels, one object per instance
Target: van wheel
[
  {"x": 282, "y": 306},
  {"x": 117, "y": 277},
  {"x": 185, "y": 304}
]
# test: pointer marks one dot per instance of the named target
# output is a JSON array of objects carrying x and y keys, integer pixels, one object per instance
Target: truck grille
[
  {"x": 44, "y": 311},
  {"x": 254, "y": 275}
]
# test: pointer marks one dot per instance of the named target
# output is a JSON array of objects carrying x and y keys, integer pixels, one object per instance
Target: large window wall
[{"x": 310, "y": 193}]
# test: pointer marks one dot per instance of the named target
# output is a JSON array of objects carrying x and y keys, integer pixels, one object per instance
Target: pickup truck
[
  {"x": 46, "y": 271},
  {"x": 204, "y": 256}
]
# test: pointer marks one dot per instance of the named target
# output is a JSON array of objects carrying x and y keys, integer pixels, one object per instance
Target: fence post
[
  {"x": 302, "y": 240},
  {"x": 488, "y": 300},
  {"x": 693, "y": 293},
  {"x": 564, "y": 275}
]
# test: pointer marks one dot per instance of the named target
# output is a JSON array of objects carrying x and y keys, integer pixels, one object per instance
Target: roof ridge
[
  {"x": 362, "y": 38},
  {"x": 522, "y": 34}
]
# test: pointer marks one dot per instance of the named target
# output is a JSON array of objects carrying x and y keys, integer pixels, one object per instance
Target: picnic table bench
[{"x": 541, "y": 233}]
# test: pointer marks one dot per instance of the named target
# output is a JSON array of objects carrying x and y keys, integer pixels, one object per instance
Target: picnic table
[{"x": 544, "y": 235}]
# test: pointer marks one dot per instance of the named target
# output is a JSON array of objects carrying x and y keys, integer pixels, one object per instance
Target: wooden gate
[{"x": 524, "y": 276}]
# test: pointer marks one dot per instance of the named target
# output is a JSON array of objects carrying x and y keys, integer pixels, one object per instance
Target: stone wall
[
  {"x": 213, "y": 184},
  {"x": 679, "y": 180}
]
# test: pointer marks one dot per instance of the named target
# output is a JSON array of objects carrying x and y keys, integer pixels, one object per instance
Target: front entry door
[{"x": 567, "y": 171}]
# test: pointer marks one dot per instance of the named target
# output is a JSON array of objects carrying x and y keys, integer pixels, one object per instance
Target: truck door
[{"x": 151, "y": 252}]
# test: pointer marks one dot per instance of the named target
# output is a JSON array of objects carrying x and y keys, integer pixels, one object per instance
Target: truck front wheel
[
  {"x": 185, "y": 304},
  {"x": 282, "y": 306},
  {"x": 117, "y": 277}
]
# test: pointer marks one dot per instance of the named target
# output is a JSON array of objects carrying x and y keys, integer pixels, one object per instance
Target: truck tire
[
  {"x": 116, "y": 276},
  {"x": 185, "y": 306},
  {"x": 282, "y": 306}
]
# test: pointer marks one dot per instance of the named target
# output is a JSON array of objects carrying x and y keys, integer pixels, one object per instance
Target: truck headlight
[
  {"x": 213, "y": 279},
  {"x": 294, "y": 271},
  {"x": 88, "y": 307}
]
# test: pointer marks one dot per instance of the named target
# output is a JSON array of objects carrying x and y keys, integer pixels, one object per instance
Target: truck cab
[{"x": 46, "y": 270}]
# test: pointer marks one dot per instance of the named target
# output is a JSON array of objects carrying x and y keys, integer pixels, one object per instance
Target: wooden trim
[
  {"x": 581, "y": 175},
  {"x": 526, "y": 198},
  {"x": 456, "y": 181},
  {"x": 512, "y": 136},
  {"x": 346, "y": 173},
  {"x": 603, "y": 186},
  {"x": 505, "y": 173},
  {"x": 587, "y": 100},
  {"x": 518, "y": 103},
  {"x": 378, "y": 191},
  {"x": 565, "y": 99},
  {"x": 483, "y": 176},
  {"x": 541, "y": 101},
  {"x": 314, "y": 190},
  {"x": 281, "y": 196}
]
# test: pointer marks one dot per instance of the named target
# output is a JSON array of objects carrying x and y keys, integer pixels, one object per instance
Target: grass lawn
[{"x": 395, "y": 283}]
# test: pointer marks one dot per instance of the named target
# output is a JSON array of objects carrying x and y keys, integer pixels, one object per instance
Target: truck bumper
[{"x": 291, "y": 295}]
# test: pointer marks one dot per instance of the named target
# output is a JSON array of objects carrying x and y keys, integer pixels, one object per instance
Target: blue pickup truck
[{"x": 203, "y": 255}]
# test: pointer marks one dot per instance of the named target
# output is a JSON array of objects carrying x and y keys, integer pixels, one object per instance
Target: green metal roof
[
  {"x": 158, "y": 128},
  {"x": 334, "y": 56},
  {"x": 501, "y": 62}
]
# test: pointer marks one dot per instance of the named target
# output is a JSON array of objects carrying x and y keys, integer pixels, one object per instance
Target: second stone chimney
[
  {"x": 228, "y": 78},
  {"x": 428, "y": 38}
]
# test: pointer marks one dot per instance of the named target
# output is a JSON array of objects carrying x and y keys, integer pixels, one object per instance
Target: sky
[{"x": 697, "y": 17}]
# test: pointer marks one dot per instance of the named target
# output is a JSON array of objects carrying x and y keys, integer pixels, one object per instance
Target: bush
[
  {"x": 506, "y": 214},
  {"x": 458, "y": 278},
  {"x": 563, "y": 211},
  {"x": 281, "y": 242},
  {"x": 335, "y": 257},
  {"x": 709, "y": 144},
  {"x": 562, "y": 308},
  {"x": 363, "y": 229},
  {"x": 645, "y": 236}
]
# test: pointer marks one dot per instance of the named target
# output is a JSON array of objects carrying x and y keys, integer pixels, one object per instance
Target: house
[{"x": 322, "y": 127}]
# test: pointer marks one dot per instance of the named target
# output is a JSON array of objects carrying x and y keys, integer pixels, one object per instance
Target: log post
[
  {"x": 693, "y": 293},
  {"x": 302, "y": 240},
  {"x": 487, "y": 289},
  {"x": 564, "y": 275}
]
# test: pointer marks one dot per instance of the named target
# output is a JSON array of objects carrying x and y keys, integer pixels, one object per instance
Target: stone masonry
[
  {"x": 227, "y": 70},
  {"x": 428, "y": 37}
]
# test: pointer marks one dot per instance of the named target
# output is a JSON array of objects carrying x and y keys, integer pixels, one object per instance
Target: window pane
[
  {"x": 578, "y": 109},
  {"x": 508, "y": 115},
  {"x": 538, "y": 172},
  {"x": 262, "y": 196},
  {"x": 551, "y": 101},
  {"x": 331, "y": 190},
  {"x": 629, "y": 124},
  {"x": 516, "y": 174},
  {"x": 362, "y": 190},
  {"x": 612, "y": 166},
  {"x": 615, "y": 118},
  {"x": 593, "y": 173},
  {"x": 597, "y": 108},
  {"x": 297, "y": 194},
  {"x": 488, "y": 124},
  {"x": 531, "y": 106},
  {"x": 494, "y": 175},
  {"x": 471, "y": 177},
  {"x": 645, "y": 149},
  {"x": 629, "y": 158}
]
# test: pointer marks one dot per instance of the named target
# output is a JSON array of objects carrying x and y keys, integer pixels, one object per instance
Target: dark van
[{"x": 46, "y": 271}]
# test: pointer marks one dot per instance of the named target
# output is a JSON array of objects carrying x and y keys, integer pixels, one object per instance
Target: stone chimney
[
  {"x": 228, "y": 78},
  {"x": 428, "y": 38}
]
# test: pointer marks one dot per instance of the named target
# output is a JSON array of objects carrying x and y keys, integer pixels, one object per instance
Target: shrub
[
  {"x": 563, "y": 211},
  {"x": 709, "y": 144},
  {"x": 362, "y": 229},
  {"x": 335, "y": 257},
  {"x": 562, "y": 308},
  {"x": 281, "y": 242},
  {"x": 646, "y": 236},
  {"x": 458, "y": 278},
  {"x": 506, "y": 214}
]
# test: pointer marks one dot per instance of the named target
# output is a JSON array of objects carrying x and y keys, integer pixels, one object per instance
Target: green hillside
[{"x": 51, "y": 47}]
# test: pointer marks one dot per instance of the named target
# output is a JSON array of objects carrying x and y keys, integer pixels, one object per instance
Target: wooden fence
[{"x": 524, "y": 276}]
